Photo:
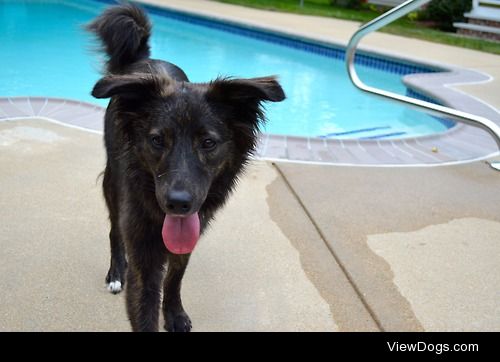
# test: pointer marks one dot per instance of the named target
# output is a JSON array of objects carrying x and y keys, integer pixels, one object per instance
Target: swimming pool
[{"x": 45, "y": 52}]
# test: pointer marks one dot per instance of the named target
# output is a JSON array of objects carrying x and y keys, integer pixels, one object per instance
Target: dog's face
[{"x": 188, "y": 135}]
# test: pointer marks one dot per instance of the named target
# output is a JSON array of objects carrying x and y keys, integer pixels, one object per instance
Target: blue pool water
[{"x": 45, "y": 52}]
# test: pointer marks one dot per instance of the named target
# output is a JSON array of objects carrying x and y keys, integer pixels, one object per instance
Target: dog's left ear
[{"x": 241, "y": 91}]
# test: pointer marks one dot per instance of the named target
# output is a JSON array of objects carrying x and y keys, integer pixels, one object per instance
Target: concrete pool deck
[{"x": 298, "y": 247}]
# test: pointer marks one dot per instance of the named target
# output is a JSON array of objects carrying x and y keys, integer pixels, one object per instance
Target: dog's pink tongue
[{"x": 180, "y": 234}]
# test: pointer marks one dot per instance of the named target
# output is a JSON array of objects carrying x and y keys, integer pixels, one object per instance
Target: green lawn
[{"x": 403, "y": 27}]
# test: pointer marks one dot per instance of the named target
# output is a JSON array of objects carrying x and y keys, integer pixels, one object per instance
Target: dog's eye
[
  {"x": 157, "y": 141},
  {"x": 208, "y": 144}
]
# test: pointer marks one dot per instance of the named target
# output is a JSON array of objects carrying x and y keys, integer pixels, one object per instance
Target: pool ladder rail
[{"x": 435, "y": 109}]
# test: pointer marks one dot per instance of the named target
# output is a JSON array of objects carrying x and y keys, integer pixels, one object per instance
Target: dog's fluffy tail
[{"x": 124, "y": 32}]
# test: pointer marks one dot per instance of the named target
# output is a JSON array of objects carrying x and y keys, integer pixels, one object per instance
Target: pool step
[
  {"x": 379, "y": 132},
  {"x": 385, "y": 135},
  {"x": 353, "y": 132}
]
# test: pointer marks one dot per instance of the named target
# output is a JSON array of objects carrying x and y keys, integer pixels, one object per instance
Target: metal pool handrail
[{"x": 492, "y": 128}]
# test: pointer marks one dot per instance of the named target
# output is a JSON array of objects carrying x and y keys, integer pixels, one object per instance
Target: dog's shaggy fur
[{"x": 174, "y": 148}]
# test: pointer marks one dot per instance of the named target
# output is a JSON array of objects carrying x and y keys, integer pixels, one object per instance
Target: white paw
[{"x": 115, "y": 287}]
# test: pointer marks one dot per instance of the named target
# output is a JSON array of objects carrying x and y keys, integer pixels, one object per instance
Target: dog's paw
[
  {"x": 114, "y": 278},
  {"x": 114, "y": 286},
  {"x": 178, "y": 323}
]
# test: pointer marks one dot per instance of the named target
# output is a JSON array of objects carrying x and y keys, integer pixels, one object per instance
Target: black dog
[{"x": 174, "y": 151}]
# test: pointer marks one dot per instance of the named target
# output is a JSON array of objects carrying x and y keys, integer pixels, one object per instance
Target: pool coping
[{"x": 460, "y": 143}]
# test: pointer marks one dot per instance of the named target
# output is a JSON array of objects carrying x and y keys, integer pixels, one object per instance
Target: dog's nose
[{"x": 179, "y": 202}]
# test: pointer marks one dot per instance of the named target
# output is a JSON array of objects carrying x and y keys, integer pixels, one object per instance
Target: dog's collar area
[{"x": 161, "y": 174}]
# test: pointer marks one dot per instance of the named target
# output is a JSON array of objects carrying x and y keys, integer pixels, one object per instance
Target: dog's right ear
[{"x": 133, "y": 86}]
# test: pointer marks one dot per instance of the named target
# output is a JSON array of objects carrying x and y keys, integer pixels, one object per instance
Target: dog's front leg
[
  {"x": 144, "y": 279},
  {"x": 176, "y": 319}
]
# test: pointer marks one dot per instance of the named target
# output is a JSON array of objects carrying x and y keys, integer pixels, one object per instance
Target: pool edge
[{"x": 461, "y": 144}]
